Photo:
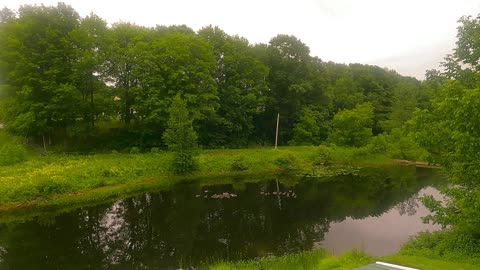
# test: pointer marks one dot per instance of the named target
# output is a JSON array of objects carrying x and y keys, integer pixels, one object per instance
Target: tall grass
[
  {"x": 310, "y": 260},
  {"x": 319, "y": 260}
]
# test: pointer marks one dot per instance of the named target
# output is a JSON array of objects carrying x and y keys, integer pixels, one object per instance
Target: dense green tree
[
  {"x": 180, "y": 137},
  {"x": 346, "y": 93},
  {"x": 240, "y": 78},
  {"x": 308, "y": 130},
  {"x": 450, "y": 130},
  {"x": 405, "y": 100},
  {"x": 171, "y": 65},
  {"x": 36, "y": 66},
  {"x": 352, "y": 127},
  {"x": 377, "y": 85},
  {"x": 290, "y": 66},
  {"x": 78, "y": 79},
  {"x": 124, "y": 65},
  {"x": 89, "y": 70}
]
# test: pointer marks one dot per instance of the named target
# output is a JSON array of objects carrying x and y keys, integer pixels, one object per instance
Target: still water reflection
[{"x": 376, "y": 210}]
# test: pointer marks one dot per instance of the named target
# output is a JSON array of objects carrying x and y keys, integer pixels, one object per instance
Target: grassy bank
[
  {"x": 319, "y": 260},
  {"x": 60, "y": 178},
  {"x": 441, "y": 250}
]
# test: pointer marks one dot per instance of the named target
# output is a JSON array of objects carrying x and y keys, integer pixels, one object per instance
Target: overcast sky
[{"x": 409, "y": 36}]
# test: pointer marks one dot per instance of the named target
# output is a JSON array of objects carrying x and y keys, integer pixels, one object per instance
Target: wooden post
[
  {"x": 44, "y": 145},
  {"x": 276, "y": 134}
]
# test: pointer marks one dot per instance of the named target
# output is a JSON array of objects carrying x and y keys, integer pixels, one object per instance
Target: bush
[
  {"x": 352, "y": 127},
  {"x": 184, "y": 162},
  {"x": 287, "y": 162},
  {"x": 12, "y": 153},
  {"x": 239, "y": 164},
  {"x": 378, "y": 145},
  {"x": 448, "y": 244},
  {"x": 323, "y": 155},
  {"x": 155, "y": 150},
  {"x": 403, "y": 146},
  {"x": 135, "y": 150}
]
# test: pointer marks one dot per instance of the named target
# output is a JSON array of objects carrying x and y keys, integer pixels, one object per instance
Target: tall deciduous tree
[
  {"x": 289, "y": 61},
  {"x": 171, "y": 65},
  {"x": 123, "y": 64},
  {"x": 89, "y": 69},
  {"x": 36, "y": 62},
  {"x": 241, "y": 80}
]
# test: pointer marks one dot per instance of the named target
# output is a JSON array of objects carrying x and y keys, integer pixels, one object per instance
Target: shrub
[
  {"x": 287, "y": 162},
  {"x": 239, "y": 164},
  {"x": 184, "y": 162},
  {"x": 323, "y": 155},
  {"x": 403, "y": 146},
  {"x": 12, "y": 153},
  {"x": 378, "y": 145},
  {"x": 135, "y": 150},
  {"x": 352, "y": 127},
  {"x": 448, "y": 244},
  {"x": 155, "y": 150}
]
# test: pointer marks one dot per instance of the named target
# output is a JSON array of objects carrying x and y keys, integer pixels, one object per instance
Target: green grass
[
  {"x": 314, "y": 260},
  {"x": 43, "y": 178},
  {"x": 319, "y": 260},
  {"x": 424, "y": 263}
]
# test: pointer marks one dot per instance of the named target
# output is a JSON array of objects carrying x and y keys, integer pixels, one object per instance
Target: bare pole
[
  {"x": 44, "y": 144},
  {"x": 276, "y": 134}
]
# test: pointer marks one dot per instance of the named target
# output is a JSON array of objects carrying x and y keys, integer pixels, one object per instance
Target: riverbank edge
[
  {"x": 66, "y": 201},
  {"x": 321, "y": 260}
]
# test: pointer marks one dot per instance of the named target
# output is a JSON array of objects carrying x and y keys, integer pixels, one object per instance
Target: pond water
[{"x": 374, "y": 209}]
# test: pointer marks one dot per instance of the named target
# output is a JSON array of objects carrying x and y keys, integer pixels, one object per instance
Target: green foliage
[
  {"x": 402, "y": 145},
  {"x": 399, "y": 144},
  {"x": 12, "y": 153},
  {"x": 83, "y": 84},
  {"x": 447, "y": 245},
  {"x": 405, "y": 101},
  {"x": 134, "y": 150},
  {"x": 180, "y": 137},
  {"x": 346, "y": 92},
  {"x": 308, "y": 130},
  {"x": 352, "y": 127},
  {"x": 323, "y": 155},
  {"x": 288, "y": 162},
  {"x": 47, "y": 176},
  {"x": 240, "y": 78},
  {"x": 450, "y": 130},
  {"x": 70, "y": 174},
  {"x": 315, "y": 260},
  {"x": 239, "y": 164},
  {"x": 38, "y": 72},
  {"x": 379, "y": 144}
]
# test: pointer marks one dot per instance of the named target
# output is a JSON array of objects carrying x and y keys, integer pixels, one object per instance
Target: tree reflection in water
[{"x": 178, "y": 228}]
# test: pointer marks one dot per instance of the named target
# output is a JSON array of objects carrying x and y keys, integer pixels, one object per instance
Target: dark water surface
[{"x": 375, "y": 210}]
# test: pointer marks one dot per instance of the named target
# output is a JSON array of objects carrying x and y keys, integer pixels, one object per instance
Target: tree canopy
[
  {"x": 449, "y": 128},
  {"x": 80, "y": 82}
]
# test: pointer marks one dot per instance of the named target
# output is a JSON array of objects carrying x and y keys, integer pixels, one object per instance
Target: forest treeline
[{"x": 77, "y": 81}]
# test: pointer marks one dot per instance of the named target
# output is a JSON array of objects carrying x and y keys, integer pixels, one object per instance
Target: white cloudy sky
[{"x": 409, "y": 36}]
